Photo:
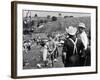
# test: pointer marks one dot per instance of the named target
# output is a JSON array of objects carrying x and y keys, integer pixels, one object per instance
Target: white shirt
[{"x": 84, "y": 39}]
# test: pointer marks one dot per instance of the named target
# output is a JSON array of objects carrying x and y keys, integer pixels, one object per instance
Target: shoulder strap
[{"x": 75, "y": 48}]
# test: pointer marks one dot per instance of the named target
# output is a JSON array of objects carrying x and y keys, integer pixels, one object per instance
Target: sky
[{"x": 45, "y": 13}]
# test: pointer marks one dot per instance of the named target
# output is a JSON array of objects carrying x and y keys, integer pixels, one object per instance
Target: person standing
[
  {"x": 72, "y": 48},
  {"x": 51, "y": 47},
  {"x": 83, "y": 36},
  {"x": 44, "y": 52}
]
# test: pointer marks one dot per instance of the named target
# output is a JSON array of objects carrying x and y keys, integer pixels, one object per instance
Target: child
[{"x": 44, "y": 51}]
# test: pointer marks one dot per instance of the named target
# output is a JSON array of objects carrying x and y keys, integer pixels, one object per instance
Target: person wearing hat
[
  {"x": 71, "y": 49},
  {"x": 83, "y": 36}
]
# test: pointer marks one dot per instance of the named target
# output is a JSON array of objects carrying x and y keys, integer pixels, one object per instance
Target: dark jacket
[{"x": 72, "y": 59}]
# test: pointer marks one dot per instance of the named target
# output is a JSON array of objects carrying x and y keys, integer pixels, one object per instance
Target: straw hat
[
  {"x": 82, "y": 25},
  {"x": 71, "y": 30}
]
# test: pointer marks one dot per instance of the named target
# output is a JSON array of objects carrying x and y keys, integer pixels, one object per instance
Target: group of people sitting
[{"x": 75, "y": 49}]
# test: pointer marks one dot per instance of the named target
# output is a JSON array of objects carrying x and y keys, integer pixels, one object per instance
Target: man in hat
[
  {"x": 72, "y": 49},
  {"x": 83, "y": 36}
]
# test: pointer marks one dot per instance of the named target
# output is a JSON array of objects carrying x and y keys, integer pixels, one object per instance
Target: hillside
[{"x": 74, "y": 21}]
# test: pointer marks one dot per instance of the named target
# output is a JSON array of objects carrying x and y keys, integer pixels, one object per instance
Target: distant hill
[{"x": 73, "y": 21}]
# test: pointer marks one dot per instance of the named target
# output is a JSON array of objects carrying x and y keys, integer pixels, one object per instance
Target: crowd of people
[
  {"x": 74, "y": 42},
  {"x": 75, "y": 47}
]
